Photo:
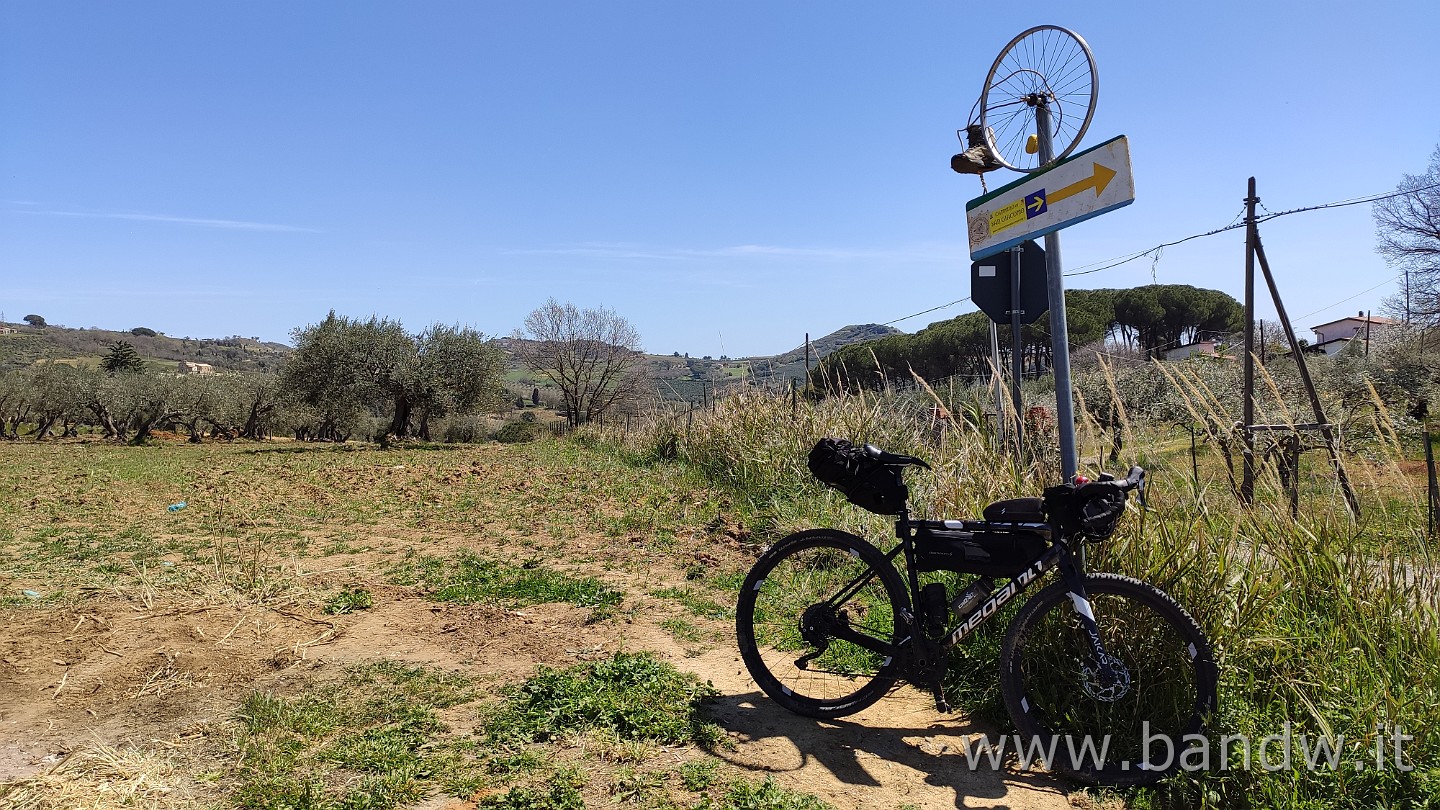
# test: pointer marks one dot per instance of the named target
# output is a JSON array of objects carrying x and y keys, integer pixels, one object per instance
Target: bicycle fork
[{"x": 1106, "y": 677}]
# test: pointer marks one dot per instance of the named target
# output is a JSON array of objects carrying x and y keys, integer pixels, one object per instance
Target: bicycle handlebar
[{"x": 1135, "y": 479}]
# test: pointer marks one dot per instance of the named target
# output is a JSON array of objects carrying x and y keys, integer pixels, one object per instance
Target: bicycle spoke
[{"x": 802, "y": 596}]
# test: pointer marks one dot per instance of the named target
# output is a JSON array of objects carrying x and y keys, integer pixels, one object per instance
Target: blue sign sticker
[{"x": 1035, "y": 204}]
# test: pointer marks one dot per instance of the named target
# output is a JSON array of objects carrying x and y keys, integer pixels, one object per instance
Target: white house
[
  {"x": 1333, "y": 336},
  {"x": 1205, "y": 348},
  {"x": 187, "y": 367}
]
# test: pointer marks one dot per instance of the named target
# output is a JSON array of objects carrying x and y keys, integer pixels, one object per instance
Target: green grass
[
  {"x": 470, "y": 578},
  {"x": 767, "y": 795},
  {"x": 559, "y": 796},
  {"x": 696, "y": 603},
  {"x": 631, "y": 696},
  {"x": 375, "y": 740},
  {"x": 683, "y": 631},
  {"x": 349, "y": 600},
  {"x": 699, "y": 775}
]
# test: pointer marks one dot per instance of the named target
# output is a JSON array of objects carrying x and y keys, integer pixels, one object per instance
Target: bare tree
[
  {"x": 591, "y": 355},
  {"x": 1408, "y": 229}
]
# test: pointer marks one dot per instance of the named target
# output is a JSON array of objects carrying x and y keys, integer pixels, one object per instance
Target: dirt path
[{"x": 165, "y": 678}]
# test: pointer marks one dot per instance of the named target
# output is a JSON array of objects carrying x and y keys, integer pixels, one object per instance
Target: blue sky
[{"x": 728, "y": 175}]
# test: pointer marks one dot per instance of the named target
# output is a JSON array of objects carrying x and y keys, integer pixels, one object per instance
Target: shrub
[
  {"x": 518, "y": 432},
  {"x": 465, "y": 429}
]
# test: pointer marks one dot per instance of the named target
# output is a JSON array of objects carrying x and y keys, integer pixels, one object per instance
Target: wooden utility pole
[
  {"x": 1255, "y": 250},
  {"x": 1247, "y": 479}
]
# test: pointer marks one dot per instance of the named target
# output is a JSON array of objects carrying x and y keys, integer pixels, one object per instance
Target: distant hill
[
  {"x": 681, "y": 377},
  {"x": 677, "y": 376},
  {"x": 22, "y": 345},
  {"x": 791, "y": 364}
]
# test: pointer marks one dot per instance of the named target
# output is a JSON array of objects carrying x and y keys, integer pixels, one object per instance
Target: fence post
[
  {"x": 1194, "y": 462},
  {"x": 1432, "y": 490}
]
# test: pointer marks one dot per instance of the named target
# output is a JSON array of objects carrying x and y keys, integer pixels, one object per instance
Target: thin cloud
[
  {"x": 229, "y": 224},
  {"x": 930, "y": 253}
]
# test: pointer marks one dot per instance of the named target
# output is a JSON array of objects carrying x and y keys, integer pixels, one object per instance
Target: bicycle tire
[
  {"x": 795, "y": 575},
  {"x": 1058, "y": 702}
]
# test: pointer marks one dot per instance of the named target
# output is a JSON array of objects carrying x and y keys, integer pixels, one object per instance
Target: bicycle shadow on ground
[{"x": 882, "y": 747}]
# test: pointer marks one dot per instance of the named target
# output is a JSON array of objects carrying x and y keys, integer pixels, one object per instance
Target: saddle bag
[{"x": 865, "y": 482}]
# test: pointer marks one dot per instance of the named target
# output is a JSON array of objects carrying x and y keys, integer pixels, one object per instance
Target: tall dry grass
[{"x": 1320, "y": 620}]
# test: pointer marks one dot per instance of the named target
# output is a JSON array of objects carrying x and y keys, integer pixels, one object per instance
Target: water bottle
[
  {"x": 970, "y": 598},
  {"x": 175, "y": 507}
]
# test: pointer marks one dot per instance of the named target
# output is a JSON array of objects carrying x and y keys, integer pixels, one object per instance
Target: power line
[
  {"x": 1369, "y": 198},
  {"x": 1235, "y": 223},
  {"x": 1356, "y": 201},
  {"x": 1351, "y": 298},
  {"x": 927, "y": 311}
]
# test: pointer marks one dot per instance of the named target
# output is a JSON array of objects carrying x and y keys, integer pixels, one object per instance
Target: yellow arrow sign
[
  {"x": 1055, "y": 198},
  {"x": 1098, "y": 181}
]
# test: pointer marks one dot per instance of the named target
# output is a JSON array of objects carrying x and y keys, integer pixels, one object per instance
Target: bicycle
[{"x": 827, "y": 625}]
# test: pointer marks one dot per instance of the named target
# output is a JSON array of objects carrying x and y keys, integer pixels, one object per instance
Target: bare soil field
[{"x": 135, "y": 639}]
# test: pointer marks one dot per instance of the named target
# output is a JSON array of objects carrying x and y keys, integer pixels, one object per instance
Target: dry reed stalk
[
  {"x": 1223, "y": 416},
  {"x": 1389, "y": 424},
  {"x": 1190, "y": 404},
  {"x": 100, "y": 777},
  {"x": 944, "y": 411},
  {"x": 1116, "y": 399}
]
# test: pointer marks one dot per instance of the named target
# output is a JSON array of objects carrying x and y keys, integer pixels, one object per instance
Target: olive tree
[
  {"x": 342, "y": 368},
  {"x": 56, "y": 391}
]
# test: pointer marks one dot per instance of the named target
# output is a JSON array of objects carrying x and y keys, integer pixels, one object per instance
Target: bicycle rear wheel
[
  {"x": 798, "y": 594},
  {"x": 1128, "y": 729}
]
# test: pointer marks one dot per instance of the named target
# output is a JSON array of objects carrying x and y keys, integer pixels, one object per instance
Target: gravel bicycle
[{"x": 1100, "y": 669}]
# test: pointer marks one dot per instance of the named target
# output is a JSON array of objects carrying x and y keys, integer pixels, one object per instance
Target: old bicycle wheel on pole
[
  {"x": 1037, "y": 103},
  {"x": 1046, "y": 71}
]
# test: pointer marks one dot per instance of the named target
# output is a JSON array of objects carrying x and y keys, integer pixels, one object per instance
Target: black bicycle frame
[{"x": 1058, "y": 555}]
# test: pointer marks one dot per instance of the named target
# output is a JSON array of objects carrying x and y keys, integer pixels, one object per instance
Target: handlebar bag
[{"x": 1088, "y": 511}]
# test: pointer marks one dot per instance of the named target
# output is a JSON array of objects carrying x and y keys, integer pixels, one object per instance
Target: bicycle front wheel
[
  {"x": 801, "y": 593},
  {"x": 1123, "y": 727}
]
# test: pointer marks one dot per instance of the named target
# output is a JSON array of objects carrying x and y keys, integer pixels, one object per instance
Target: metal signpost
[
  {"x": 1010, "y": 287},
  {"x": 1016, "y": 129}
]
